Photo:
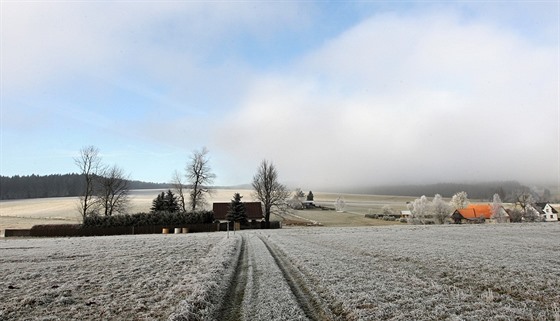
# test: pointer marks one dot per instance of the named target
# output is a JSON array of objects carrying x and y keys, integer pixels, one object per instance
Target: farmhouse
[
  {"x": 478, "y": 213},
  {"x": 253, "y": 209},
  {"x": 546, "y": 212}
]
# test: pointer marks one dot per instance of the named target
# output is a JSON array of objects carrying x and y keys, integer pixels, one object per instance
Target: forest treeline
[
  {"x": 56, "y": 185},
  {"x": 507, "y": 190}
]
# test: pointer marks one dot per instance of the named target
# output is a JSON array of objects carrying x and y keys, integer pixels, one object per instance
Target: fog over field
[{"x": 384, "y": 93}]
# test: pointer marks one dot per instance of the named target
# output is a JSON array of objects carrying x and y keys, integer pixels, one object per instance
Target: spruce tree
[
  {"x": 310, "y": 196},
  {"x": 157, "y": 203},
  {"x": 170, "y": 203},
  {"x": 165, "y": 202},
  {"x": 236, "y": 211}
]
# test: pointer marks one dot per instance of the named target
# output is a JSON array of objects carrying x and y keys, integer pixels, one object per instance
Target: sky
[{"x": 333, "y": 93}]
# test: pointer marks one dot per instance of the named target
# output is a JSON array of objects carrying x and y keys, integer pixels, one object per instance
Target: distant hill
[
  {"x": 57, "y": 185},
  {"x": 480, "y": 190}
]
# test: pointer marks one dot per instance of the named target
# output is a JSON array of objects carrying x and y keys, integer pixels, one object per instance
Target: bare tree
[
  {"x": 268, "y": 189},
  {"x": 524, "y": 199},
  {"x": 179, "y": 187},
  {"x": 113, "y": 191},
  {"x": 516, "y": 215},
  {"x": 89, "y": 163},
  {"x": 199, "y": 176}
]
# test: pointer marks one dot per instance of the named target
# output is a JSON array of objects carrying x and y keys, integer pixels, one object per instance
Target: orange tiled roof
[
  {"x": 476, "y": 211},
  {"x": 482, "y": 210}
]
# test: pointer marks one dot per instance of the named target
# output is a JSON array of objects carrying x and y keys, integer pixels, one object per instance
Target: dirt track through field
[
  {"x": 264, "y": 273},
  {"x": 231, "y": 309},
  {"x": 309, "y": 301}
]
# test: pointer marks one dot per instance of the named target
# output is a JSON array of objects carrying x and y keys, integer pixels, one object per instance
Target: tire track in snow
[
  {"x": 310, "y": 302},
  {"x": 232, "y": 302}
]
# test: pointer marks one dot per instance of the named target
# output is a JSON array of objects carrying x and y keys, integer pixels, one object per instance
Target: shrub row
[
  {"x": 147, "y": 219},
  {"x": 382, "y": 217},
  {"x": 79, "y": 230}
]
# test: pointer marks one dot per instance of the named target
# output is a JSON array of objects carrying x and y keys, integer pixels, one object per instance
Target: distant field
[{"x": 29, "y": 212}]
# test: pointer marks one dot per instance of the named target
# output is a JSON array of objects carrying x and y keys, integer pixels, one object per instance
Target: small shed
[
  {"x": 406, "y": 214},
  {"x": 253, "y": 209}
]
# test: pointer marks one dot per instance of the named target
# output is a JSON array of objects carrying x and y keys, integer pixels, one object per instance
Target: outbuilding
[{"x": 252, "y": 209}]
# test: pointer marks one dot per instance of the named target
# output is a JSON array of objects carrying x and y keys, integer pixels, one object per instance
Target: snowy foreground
[{"x": 474, "y": 272}]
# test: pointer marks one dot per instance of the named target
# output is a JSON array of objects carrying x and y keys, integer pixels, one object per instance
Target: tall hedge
[{"x": 145, "y": 219}]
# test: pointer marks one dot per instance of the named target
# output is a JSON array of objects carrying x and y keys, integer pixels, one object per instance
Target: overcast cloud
[{"x": 340, "y": 95}]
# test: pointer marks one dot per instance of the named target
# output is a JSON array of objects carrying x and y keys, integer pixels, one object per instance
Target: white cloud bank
[
  {"x": 418, "y": 96},
  {"x": 406, "y": 99}
]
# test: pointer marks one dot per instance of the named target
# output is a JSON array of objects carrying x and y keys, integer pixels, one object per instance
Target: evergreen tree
[
  {"x": 170, "y": 203},
  {"x": 310, "y": 196},
  {"x": 157, "y": 203},
  {"x": 237, "y": 212},
  {"x": 165, "y": 202}
]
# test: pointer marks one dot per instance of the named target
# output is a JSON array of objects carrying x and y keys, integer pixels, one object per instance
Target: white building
[{"x": 547, "y": 212}]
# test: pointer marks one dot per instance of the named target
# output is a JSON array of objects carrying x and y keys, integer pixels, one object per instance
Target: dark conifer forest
[{"x": 56, "y": 185}]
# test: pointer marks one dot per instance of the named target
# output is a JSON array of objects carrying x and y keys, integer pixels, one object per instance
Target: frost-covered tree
[
  {"x": 440, "y": 209},
  {"x": 530, "y": 214},
  {"x": 421, "y": 210},
  {"x": 524, "y": 200},
  {"x": 388, "y": 211},
  {"x": 459, "y": 200},
  {"x": 340, "y": 204},
  {"x": 498, "y": 212},
  {"x": 516, "y": 215},
  {"x": 295, "y": 202},
  {"x": 237, "y": 211},
  {"x": 299, "y": 193},
  {"x": 546, "y": 196}
]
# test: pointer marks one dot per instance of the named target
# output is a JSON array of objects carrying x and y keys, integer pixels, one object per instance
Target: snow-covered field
[
  {"x": 468, "y": 272},
  {"x": 143, "y": 277}
]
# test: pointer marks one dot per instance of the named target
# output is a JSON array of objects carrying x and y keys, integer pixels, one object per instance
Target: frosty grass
[
  {"x": 467, "y": 272},
  {"x": 142, "y": 277}
]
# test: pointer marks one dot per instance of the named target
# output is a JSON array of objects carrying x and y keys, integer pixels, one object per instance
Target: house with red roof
[{"x": 479, "y": 213}]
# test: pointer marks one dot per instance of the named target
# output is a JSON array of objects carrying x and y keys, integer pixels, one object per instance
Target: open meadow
[
  {"x": 25, "y": 213},
  {"x": 402, "y": 272}
]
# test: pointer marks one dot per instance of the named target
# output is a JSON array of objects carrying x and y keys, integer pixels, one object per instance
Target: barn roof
[
  {"x": 253, "y": 210},
  {"x": 474, "y": 211}
]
